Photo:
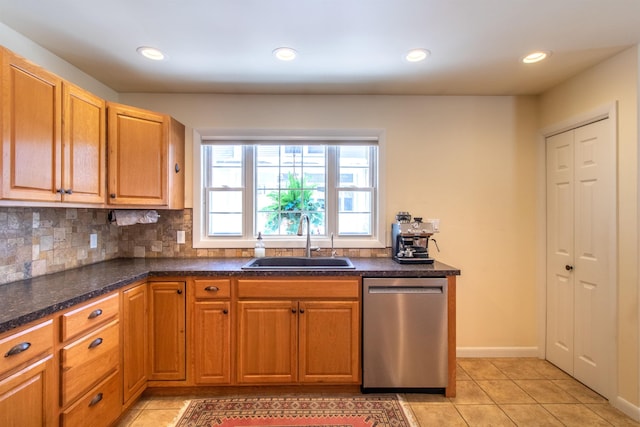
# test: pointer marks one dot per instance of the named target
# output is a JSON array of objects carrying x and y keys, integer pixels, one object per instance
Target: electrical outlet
[
  {"x": 93, "y": 241},
  {"x": 181, "y": 237}
]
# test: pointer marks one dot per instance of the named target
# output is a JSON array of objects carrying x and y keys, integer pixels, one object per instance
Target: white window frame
[{"x": 200, "y": 238}]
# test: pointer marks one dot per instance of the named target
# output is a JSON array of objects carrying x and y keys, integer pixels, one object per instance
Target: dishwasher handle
[{"x": 405, "y": 290}]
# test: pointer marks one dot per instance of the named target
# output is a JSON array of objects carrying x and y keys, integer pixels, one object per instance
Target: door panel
[
  {"x": 595, "y": 206},
  {"x": 560, "y": 238}
]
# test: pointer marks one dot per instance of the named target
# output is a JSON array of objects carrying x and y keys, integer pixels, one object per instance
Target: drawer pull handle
[
  {"x": 95, "y": 343},
  {"x": 95, "y": 313},
  {"x": 96, "y": 399},
  {"x": 17, "y": 349},
  {"x": 212, "y": 289}
]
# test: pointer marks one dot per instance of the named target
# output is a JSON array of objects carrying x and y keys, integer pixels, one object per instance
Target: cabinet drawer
[
  {"x": 23, "y": 346},
  {"x": 89, "y": 315},
  {"x": 99, "y": 407},
  {"x": 212, "y": 289},
  {"x": 87, "y": 360},
  {"x": 299, "y": 288}
]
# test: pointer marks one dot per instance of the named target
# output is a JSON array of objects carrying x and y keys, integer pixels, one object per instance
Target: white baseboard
[
  {"x": 497, "y": 352},
  {"x": 628, "y": 408}
]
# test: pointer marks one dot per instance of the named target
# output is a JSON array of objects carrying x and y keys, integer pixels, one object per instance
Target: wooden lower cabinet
[
  {"x": 27, "y": 398},
  {"x": 312, "y": 336},
  {"x": 267, "y": 341},
  {"x": 135, "y": 349},
  {"x": 28, "y": 376},
  {"x": 167, "y": 324},
  {"x": 212, "y": 342},
  {"x": 329, "y": 347}
]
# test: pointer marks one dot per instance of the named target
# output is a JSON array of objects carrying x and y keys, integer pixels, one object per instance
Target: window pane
[
  {"x": 225, "y": 224},
  {"x": 226, "y": 177},
  {"x": 354, "y": 212},
  {"x": 223, "y": 165},
  {"x": 267, "y": 177},
  {"x": 354, "y": 155},
  {"x": 354, "y": 224},
  {"x": 354, "y": 169},
  {"x": 225, "y": 201}
]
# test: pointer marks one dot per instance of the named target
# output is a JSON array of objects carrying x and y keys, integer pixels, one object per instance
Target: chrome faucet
[{"x": 304, "y": 217}]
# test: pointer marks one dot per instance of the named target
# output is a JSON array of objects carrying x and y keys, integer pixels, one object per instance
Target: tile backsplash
[{"x": 37, "y": 241}]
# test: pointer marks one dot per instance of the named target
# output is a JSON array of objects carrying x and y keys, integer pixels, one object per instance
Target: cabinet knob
[
  {"x": 60, "y": 190},
  {"x": 95, "y": 343},
  {"x": 112, "y": 195},
  {"x": 97, "y": 398},
  {"x": 177, "y": 167},
  {"x": 95, "y": 313},
  {"x": 68, "y": 191},
  {"x": 17, "y": 349},
  {"x": 301, "y": 310},
  {"x": 293, "y": 310},
  {"x": 568, "y": 267},
  {"x": 225, "y": 311},
  {"x": 179, "y": 291}
]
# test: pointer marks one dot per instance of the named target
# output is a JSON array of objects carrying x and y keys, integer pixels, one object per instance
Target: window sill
[{"x": 291, "y": 243}]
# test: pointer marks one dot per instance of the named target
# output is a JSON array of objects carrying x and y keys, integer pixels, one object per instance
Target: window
[{"x": 265, "y": 185}]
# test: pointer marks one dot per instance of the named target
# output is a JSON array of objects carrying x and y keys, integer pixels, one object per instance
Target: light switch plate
[
  {"x": 181, "y": 237},
  {"x": 93, "y": 241}
]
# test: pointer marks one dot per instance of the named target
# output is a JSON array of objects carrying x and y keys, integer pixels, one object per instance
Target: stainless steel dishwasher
[{"x": 404, "y": 333}]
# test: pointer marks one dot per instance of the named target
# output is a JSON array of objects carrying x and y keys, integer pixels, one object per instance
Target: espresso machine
[{"x": 410, "y": 239}]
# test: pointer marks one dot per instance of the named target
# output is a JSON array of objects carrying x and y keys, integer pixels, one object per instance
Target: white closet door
[
  {"x": 560, "y": 237},
  {"x": 581, "y": 209},
  {"x": 595, "y": 207}
]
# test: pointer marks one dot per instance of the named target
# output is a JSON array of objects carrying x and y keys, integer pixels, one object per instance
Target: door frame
[{"x": 605, "y": 111}]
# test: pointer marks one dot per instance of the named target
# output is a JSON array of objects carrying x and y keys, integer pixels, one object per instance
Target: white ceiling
[{"x": 345, "y": 46}]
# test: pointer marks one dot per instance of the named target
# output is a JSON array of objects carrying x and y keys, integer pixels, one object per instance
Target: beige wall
[
  {"x": 26, "y": 48},
  {"x": 613, "y": 80},
  {"x": 469, "y": 161}
]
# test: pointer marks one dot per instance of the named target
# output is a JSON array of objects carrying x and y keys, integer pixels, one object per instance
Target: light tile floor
[{"x": 490, "y": 392}]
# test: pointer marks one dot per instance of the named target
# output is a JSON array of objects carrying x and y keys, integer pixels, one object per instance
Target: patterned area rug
[{"x": 293, "y": 411}]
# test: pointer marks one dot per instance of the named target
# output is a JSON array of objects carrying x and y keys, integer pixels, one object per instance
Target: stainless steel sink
[{"x": 298, "y": 263}]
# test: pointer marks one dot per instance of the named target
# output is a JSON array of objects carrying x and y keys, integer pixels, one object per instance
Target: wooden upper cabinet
[
  {"x": 53, "y": 137},
  {"x": 84, "y": 146},
  {"x": 31, "y": 131},
  {"x": 146, "y": 158}
]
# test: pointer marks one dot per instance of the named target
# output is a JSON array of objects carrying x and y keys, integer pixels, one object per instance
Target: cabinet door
[
  {"x": 31, "y": 131},
  {"x": 138, "y": 166},
  {"x": 27, "y": 397},
  {"x": 167, "y": 337},
  {"x": 212, "y": 342},
  {"x": 267, "y": 341},
  {"x": 84, "y": 147},
  {"x": 329, "y": 341},
  {"x": 135, "y": 352}
]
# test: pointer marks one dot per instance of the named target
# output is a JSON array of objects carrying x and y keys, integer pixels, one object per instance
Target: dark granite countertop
[{"x": 28, "y": 300}]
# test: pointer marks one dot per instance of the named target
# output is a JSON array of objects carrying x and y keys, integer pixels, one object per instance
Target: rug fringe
[{"x": 408, "y": 412}]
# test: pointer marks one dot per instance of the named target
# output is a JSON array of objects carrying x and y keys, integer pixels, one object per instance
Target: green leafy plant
[{"x": 290, "y": 203}]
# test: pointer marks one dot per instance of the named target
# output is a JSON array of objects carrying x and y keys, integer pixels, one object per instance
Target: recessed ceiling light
[
  {"x": 151, "y": 53},
  {"x": 285, "y": 54},
  {"x": 417, "y": 55},
  {"x": 534, "y": 57}
]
